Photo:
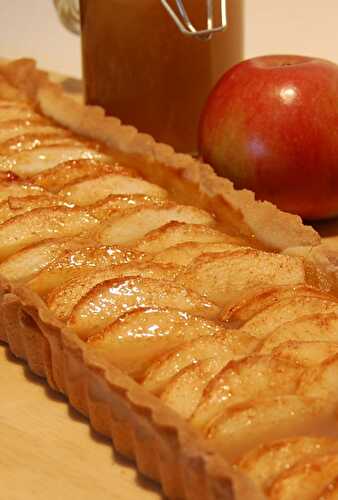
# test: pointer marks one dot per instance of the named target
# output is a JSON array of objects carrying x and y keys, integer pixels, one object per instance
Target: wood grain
[{"x": 48, "y": 450}]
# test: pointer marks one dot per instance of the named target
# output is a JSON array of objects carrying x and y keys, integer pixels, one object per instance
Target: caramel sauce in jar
[{"x": 140, "y": 67}]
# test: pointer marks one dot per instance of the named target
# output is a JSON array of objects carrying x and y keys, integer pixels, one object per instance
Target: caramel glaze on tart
[{"x": 176, "y": 283}]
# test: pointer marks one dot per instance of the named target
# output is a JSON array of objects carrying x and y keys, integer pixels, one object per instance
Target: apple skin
[{"x": 271, "y": 125}]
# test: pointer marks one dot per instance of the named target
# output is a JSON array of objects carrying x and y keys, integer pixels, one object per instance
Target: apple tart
[{"x": 195, "y": 326}]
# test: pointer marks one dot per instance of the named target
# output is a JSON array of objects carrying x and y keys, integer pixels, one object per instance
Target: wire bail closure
[{"x": 182, "y": 20}]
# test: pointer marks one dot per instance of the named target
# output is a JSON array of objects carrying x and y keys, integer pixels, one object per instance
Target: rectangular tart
[{"x": 194, "y": 326}]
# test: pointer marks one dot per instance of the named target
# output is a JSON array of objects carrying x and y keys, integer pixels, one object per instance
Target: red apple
[{"x": 271, "y": 125}]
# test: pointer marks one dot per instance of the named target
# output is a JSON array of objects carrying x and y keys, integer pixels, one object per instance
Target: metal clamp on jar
[
  {"x": 184, "y": 23},
  {"x": 138, "y": 65}
]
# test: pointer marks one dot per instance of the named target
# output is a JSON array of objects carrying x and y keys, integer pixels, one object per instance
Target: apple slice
[
  {"x": 26, "y": 203},
  {"x": 19, "y": 205},
  {"x": 256, "y": 300},
  {"x": 184, "y": 253},
  {"x": 18, "y": 188},
  {"x": 307, "y": 480},
  {"x": 284, "y": 311},
  {"x": 70, "y": 171},
  {"x": 222, "y": 276},
  {"x": 133, "y": 224},
  {"x": 184, "y": 392},
  {"x": 268, "y": 375},
  {"x": 114, "y": 203},
  {"x": 28, "y": 163},
  {"x": 315, "y": 327},
  {"x": 31, "y": 141},
  {"x": 41, "y": 224},
  {"x": 64, "y": 298},
  {"x": 330, "y": 492},
  {"x": 174, "y": 233},
  {"x": 226, "y": 346},
  {"x": 266, "y": 462},
  {"x": 321, "y": 380},
  {"x": 24, "y": 264},
  {"x": 112, "y": 298},
  {"x": 10, "y": 93},
  {"x": 244, "y": 426},
  {"x": 10, "y": 177},
  {"x": 18, "y": 128},
  {"x": 307, "y": 353},
  {"x": 246, "y": 379},
  {"x": 91, "y": 190},
  {"x": 68, "y": 265},
  {"x": 10, "y": 102},
  {"x": 138, "y": 337},
  {"x": 17, "y": 112}
]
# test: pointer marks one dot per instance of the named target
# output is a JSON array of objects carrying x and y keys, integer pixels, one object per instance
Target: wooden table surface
[{"x": 47, "y": 450}]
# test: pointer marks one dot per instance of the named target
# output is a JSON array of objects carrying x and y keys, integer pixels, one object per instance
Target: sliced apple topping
[
  {"x": 133, "y": 224},
  {"x": 68, "y": 264},
  {"x": 308, "y": 480},
  {"x": 284, "y": 311},
  {"x": 16, "y": 112},
  {"x": 174, "y": 233},
  {"x": 266, "y": 463},
  {"x": 72, "y": 171},
  {"x": 91, "y": 190},
  {"x": 18, "y": 188},
  {"x": 223, "y": 347},
  {"x": 254, "y": 301},
  {"x": 184, "y": 392},
  {"x": 223, "y": 276},
  {"x": 19, "y": 205},
  {"x": 10, "y": 177},
  {"x": 40, "y": 224},
  {"x": 18, "y": 128},
  {"x": 315, "y": 327},
  {"x": 321, "y": 380},
  {"x": 10, "y": 94},
  {"x": 244, "y": 426},
  {"x": 29, "y": 142},
  {"x": 142, "y": 335},
  {"x": 307, "y": 353},
  {"x": 114, "y": 203},
  {"x": 245, "y": 379},
  {"x": 112, "y": 298},
  {"x": 24, "y": 264},
  {"x": 330, "y": 491},
  {"x": 185, "y": 253},
  {"x": 65, "y": 297},
  {"x": 11, "y": 101},
  {"x": 28, "y": 163}
]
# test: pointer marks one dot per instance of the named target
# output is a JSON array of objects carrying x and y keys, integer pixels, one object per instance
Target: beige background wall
[
  {"x": 308, "y": 27},
  {"x": 31, "y": 27}
]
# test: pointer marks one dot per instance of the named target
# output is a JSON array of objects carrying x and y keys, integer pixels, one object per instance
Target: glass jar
[{"x": 140, "y": 67}]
